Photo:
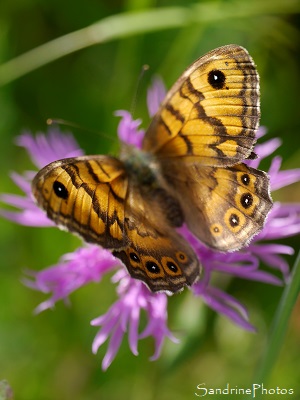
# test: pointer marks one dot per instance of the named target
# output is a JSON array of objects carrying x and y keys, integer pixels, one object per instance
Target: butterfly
[{"x": 188, "y": 171}]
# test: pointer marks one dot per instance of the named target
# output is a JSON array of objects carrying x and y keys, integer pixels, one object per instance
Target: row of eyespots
[
  {"x": 153, "y": 266},
  {"x": 246, "y": 202},
  {"x": 246, "y": 198},
  {"x": 234, "y": 221}
]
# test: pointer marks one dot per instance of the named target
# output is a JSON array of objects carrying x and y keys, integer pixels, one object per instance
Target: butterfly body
[
  {"x": 140, "y": 166},
  {"x": 189, "y": 170}
]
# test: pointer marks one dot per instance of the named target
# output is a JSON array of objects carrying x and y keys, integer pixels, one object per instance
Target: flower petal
[
  {"x": 227, "y": 305},
  {"x": 128, "y": 131},
  {"x": 44, "y": 149},
  {"x": 85, "y": 265},
  {"x": 155, "y": 95}
]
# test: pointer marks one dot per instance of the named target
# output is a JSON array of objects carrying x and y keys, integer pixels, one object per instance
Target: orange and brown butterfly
[{"x": 189, "y": 170}]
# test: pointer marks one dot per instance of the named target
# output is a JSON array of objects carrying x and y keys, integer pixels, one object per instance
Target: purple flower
[
  {"x": 42, "y": 149},
  {"x": 128, "y": 129},
  {"x": 124, "y": 315},
  {"x": 89, "y": 263},
  {"x": 85, "y": 265}
]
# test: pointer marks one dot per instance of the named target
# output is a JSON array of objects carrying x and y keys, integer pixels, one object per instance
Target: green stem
[
  {"x": 110, "y": 28},
  {"x": 280, "y": 324},
  {"x": 133, "y": 23}
]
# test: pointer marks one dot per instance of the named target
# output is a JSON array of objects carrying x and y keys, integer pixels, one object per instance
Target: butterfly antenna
[
  {"x": 59, "y": 121},
  {"x": 137, "y": 88}
]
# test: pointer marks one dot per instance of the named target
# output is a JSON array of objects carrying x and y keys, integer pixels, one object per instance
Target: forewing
[
  {"x": 86, "y": 195},
  {"x": 211, "y": 113}
]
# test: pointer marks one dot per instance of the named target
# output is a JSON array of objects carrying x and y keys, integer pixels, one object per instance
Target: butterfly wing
[
  {"x": 211, "y": 113},
  {"x": 223, "y": 207},
  {"x": 156, "y": 254},
  {"x": 85, "y": 195},
  {"x": 93, "y": 197},
  {"x": 203, "y": 130},
  {"x": 207, "y": 121}
]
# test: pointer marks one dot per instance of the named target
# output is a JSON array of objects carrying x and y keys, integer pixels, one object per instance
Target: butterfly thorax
[
  {"x": 144, "y": 174},
  {"x": 140, "y": 166}
]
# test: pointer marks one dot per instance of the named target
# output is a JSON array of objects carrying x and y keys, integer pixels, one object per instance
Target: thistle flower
[{"x": 89, "y": 262}]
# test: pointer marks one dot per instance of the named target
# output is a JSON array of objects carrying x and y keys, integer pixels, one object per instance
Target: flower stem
[
  {"x": 280, "y": 324},
  {"x": 138, "y": 22}
]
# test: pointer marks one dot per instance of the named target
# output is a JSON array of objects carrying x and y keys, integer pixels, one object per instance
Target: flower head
[
  {"x": 42, "y": 150},
  {"x": 89, "y": 263}
]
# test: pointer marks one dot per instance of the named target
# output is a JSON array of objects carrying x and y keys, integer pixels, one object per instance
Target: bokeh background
[{"x": 48, "y": 356}]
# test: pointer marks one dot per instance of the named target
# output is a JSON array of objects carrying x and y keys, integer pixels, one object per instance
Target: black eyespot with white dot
[
  {"x": 134, "y": 257},
  {"x": 247, "y": 200},
  {"x": 152, "y": 267},
  {"x": 216, "y": 79},
  {"x": 234, "y": 220},
  {"x": 216, "y": 229},
  {"x": 245, "y": 178},
  {"x": 60, "y": 190},
  {"x": 172, "y": 266}
]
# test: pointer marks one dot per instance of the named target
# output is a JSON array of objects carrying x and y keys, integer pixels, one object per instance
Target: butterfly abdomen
[{"x": 170, "y": 207}]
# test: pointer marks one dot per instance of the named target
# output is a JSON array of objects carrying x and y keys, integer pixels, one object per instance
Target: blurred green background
[{"x": 48, "y": 356}]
